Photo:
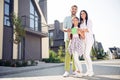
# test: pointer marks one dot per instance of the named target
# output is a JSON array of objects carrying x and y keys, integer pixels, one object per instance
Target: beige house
[{"x": 35, "y": 45}]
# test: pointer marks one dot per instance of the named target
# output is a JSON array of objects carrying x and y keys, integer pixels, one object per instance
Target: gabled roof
[{"x": 112, "y": 49}]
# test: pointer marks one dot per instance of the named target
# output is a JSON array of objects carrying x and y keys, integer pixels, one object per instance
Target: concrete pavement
[
  {"x": 14, "y": 70},
  {"x": 104, "y": 70}
]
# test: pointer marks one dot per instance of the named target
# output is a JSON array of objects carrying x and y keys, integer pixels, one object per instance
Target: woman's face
[
  {"x": 75, "y": 21},
  {"x": 83, "y": 15}
]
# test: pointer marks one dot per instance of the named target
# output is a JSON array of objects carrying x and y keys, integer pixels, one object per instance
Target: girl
[{"x": 75, "y": 45}]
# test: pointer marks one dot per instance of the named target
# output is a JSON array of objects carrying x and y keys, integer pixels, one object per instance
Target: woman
[
  {"x": 75, "y": 45},
  {"x": 86, "y": 26}
]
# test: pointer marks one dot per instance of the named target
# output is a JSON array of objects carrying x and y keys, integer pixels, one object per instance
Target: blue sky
[{"x": 105, "y": 15}]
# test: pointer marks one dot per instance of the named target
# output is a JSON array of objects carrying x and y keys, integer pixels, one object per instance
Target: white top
[{"x": 88, "y": 35}]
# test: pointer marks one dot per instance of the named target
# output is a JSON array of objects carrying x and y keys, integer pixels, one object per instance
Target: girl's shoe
[{"x": 78, "y": 75}]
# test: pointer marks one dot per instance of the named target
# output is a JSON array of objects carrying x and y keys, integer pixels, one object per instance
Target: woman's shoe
[
  {"x": 88, "y": 74},
  {"x": 91, "y": 74}
]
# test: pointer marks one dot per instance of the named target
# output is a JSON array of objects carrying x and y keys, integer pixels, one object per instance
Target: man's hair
[{"x": 74, "y": 6}]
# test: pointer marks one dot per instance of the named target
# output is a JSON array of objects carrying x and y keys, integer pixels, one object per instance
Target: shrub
[{"x": 54, "y": 57}]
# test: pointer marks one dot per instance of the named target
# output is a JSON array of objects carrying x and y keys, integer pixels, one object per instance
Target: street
[{"x": 104, "y": 70}]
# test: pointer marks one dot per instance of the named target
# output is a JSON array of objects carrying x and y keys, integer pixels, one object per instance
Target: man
[{"x": 67, "y": 24}]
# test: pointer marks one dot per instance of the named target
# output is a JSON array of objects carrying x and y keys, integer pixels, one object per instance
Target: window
[
  {"x": 8, "y": 9},
  {"x": 51, "y": 38},
  {"x": 7, "y": 1},
  {"x": 34, "y": 18},
  {"x": 51, "y": 34},
  {"x": 6, "y": 21}
]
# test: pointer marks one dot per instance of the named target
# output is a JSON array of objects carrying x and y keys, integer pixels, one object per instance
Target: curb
[{"x": 28, "y": 70}]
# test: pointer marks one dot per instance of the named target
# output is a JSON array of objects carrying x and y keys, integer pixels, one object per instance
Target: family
[{"x": 78, "y": 37}]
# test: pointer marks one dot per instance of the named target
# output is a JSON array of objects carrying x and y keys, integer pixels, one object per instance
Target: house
[
  {"x": 35, "y": 44},
  {"x": 114, "y": 53},
  {"x": 56, "y": 36}
]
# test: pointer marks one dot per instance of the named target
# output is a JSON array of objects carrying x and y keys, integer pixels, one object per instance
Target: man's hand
[{"x": 67, "y": 30}]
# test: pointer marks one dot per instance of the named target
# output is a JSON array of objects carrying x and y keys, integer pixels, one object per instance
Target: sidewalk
[
  {"x": 42, "y": 65},
  {"x": 13, "y": 70},
  {"x": 104, "y": 70}
]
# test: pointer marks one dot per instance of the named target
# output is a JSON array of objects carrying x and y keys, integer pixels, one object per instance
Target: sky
[{"x": 105, "y": 16}]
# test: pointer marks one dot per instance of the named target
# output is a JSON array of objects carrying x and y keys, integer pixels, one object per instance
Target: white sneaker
[
  {"x": 91, "y": 74},
  {"x": 74, "y": 73},
  {"x": 88, "y": 74},
  {"x": 66, "y": 74},
  {"x": 78, "y": 75}
]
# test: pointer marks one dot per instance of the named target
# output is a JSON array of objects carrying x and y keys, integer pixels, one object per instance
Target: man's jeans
[{"x": 68, "y": 58}]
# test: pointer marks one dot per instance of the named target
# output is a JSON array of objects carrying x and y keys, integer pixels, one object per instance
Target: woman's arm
[{"x": 82, "y": 33}]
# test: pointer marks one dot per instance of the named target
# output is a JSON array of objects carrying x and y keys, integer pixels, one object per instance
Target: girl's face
[
  {"x": 83, "y": 15},
  {"x": 75, "y": 21}
]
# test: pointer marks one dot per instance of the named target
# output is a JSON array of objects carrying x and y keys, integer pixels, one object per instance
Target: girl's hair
[
  {"x": 86, "y": 18},
  {"x": 78, "y": 23},
  {"x": 73, "y": 26}
]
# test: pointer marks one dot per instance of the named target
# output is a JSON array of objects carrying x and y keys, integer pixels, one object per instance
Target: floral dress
[{"x": 75, "y": 43}]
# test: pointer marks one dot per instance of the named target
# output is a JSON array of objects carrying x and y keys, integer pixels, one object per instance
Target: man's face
[{"x": 73, "y": 10}]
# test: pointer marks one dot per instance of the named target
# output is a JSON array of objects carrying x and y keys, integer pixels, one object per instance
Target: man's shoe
[{"x": 66, "y": 74}]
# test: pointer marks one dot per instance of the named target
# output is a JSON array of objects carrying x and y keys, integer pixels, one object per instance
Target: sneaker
[
  {"x": 66, "y": 74},
  {"x": 88, "y": 74},
  {"x": 91, "y": 74},
  {"x": 78, "y": 75},
  {"x": 74, "y": 73}
]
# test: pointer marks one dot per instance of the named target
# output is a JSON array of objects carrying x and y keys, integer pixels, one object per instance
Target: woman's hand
[
  {"x": 85, "y": 30},
  {"x": 82, "y": 33}
]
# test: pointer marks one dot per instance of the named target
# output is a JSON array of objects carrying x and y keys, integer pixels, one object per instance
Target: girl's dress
[{"x": 75, "y": 43}]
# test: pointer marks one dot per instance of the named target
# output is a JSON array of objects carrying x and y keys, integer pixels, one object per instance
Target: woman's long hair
[{"x": 86, "y": 18}]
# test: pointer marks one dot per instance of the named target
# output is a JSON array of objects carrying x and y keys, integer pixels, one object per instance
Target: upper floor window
[
  {"x": 34, "y": 18},
  {"x": 8, "y": 9}
]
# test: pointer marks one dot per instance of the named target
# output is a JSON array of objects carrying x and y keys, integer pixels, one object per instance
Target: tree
[{"x": 18, "y": 29}]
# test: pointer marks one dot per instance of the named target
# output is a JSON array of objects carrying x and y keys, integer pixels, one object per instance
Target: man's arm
[{"x": 65, "y": 25}]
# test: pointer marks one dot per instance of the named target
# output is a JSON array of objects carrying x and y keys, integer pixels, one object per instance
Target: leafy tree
[{"x": 18, "y": 29}]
